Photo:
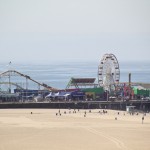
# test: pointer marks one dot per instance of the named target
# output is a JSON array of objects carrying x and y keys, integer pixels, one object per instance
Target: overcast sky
[{"x": 62, "y": 30}]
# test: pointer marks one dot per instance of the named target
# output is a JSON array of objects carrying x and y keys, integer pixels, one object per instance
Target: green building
[
  {"x": 141, "y": 91},
  {"x": 93, "y": 92}
]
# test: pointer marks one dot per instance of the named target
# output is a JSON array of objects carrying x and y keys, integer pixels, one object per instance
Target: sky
[{"x": 42, "y": 31}]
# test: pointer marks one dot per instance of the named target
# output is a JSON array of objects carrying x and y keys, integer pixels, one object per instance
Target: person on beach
[{"x": 142, "y": 119}]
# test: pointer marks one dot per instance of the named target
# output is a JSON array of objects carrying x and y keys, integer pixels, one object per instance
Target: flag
[{"x": 8, "y": 64}]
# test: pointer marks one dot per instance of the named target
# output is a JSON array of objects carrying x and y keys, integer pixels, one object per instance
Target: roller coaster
[{"x": 11, "y": 73}]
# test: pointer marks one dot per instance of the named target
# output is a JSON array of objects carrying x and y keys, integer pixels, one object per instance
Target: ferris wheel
[{"x": 108, "y": 72}]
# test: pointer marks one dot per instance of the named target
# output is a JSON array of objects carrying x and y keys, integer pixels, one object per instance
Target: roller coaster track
[
  {"x": 15, "y": 84},
  {"x": 14, "y": 73}
]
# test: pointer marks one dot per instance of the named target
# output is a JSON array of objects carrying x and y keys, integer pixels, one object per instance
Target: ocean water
[{"x": 58, "y": 75}]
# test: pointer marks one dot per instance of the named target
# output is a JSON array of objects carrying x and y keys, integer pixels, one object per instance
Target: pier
[{"x": 117, "y": 105}]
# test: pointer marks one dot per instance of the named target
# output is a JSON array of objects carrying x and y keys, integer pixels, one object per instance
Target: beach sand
[{"x": 43, "y": 130}]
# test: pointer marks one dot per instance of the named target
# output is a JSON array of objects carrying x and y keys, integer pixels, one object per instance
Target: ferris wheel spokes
[{"x": 108, "y": 71}]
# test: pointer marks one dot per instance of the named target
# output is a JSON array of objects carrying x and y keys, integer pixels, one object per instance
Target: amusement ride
[{"x": 108, "y": 72}]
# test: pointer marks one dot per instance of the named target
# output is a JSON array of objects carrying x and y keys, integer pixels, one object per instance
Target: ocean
[{"x": 58, "y": 75}]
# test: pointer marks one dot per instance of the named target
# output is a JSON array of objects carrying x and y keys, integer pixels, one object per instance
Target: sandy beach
[{"x": 44, "y": 130}]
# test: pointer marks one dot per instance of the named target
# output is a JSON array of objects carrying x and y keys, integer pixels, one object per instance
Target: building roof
[
  {"x": 139, "y": 87},
  {"x": 77, "y": 82}
]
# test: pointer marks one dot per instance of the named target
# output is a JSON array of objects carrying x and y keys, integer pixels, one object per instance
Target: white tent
[{"x": 49, "y": 95}]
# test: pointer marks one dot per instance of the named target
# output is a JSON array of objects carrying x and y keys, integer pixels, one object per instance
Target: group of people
[{"x": 101, "y": 112}]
